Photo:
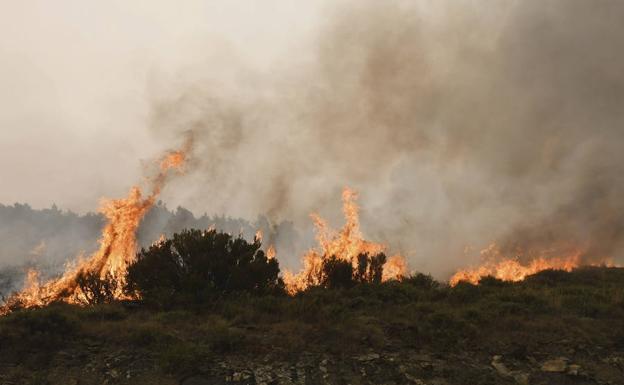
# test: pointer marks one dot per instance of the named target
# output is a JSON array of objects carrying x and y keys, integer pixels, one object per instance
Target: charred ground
[{"x": 553, "y": 328}]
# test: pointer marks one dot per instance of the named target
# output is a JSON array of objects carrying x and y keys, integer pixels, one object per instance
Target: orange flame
[
  {"x": 511, "y": 269},
  {"x": 271, "y": 253},
  {"x": 117, "y": 244},
  {"x": 345, "y": 244}
]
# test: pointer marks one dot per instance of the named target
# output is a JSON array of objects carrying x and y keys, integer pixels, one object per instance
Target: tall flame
[
  {"x": 495, "y": 264},
  {"x": 345, "y": 244},
  {"x": 117, "y": 244}
]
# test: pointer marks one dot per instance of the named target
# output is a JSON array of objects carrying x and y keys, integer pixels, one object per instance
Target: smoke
[{"x": 459, "y": 125}]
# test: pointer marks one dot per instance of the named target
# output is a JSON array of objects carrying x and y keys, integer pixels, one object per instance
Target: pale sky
[{"x": 74, "y": 77}]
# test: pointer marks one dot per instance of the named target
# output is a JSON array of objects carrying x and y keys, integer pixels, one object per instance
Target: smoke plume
[{"x": 458, "y": 124}]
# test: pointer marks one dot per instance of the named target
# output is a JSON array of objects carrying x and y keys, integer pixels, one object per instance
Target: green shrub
[
  {"x": 34, "y": 334},
  {"x": 422, "y": 281},
  {"x": 197, "y": 265}
]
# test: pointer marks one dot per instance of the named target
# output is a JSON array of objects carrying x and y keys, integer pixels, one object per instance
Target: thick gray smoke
[
  {"x": 459, "y": 123},
  {"x": 459, "y": 126}
]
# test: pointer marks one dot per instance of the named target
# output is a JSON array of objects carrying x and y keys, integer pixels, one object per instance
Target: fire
[
  {"x": 117, "y": 244},
  {"x": 512, "y": 269},
  {"x": 270, "y": 253},
  {"x": 346, "y": 244},
  {"x": 173, "y": 160}
]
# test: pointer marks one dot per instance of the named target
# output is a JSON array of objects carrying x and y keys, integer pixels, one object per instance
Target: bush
[
  {"x": 33, "y": 334},
  {"x": 423, "y": 281},
  {"x": 195, "y": 265},
  {"x": 97, "y": 290},
  {"x": 338, "y": 273},
  {"x": 370, "y": 268}
]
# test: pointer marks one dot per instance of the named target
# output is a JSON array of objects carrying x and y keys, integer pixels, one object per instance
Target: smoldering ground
[{"x": 459, "y": 123}]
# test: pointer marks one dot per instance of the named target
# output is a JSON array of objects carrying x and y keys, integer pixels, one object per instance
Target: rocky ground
[
  {"x": 582, "y": 366},
  {"x": 552, "y": 330}
]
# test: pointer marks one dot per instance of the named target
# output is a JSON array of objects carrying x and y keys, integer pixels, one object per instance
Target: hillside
[{"x": 553, "y": 328}]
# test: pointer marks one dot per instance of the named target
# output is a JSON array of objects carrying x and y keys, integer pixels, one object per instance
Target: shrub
[
  {"x": 195, "y": 265},
  {"x": 33, "y": 334},
  {"x": 423, "y": 281},
  {"x": 97, "y": 290},
  {"x": 493, "y": 282},
  {"x": 370, "y": 268},
  {"x": 548, "y": 277},
  {"x": 338, "y": 273}
]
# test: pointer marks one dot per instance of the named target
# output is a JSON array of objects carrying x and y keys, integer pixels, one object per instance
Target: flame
[
  {"x": 174, "y": 160},
  {"x": 345, "y": 244},
  {"x": 161, "y": 239},
  {"x": 117, "y": 244},
  {"x": 271, "y": 253},
  {"x": 512, "y": 269},
  {"x": 394, "y": 268}
]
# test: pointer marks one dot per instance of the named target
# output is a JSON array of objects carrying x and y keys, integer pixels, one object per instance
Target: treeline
[{"x": 48, "y": 238}]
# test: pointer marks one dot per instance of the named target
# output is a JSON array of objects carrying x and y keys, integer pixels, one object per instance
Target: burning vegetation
[
  {"x": 209, "y": 262},
  {"x": 204, "y": 262},
  {"x": 117, "y": 247},
  {"x": 346, "y": 246},
  {"x": 496, "y": 264}
]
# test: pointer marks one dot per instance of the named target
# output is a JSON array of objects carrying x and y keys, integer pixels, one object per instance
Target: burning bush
[
  {"x": 341, "y": 248},
  {"x": 96, "y": 290},
  {"x": 196, "y": 265},
  {"x": 338, "y": 273}
]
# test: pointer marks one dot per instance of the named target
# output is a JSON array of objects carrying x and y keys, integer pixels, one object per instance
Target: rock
[
  {"x": 237, "y": 376},
  {"x": 368, "y": 357},
  {"x": 521, "y": 378},
  {"x": 414, "y": 380},
  {"x": 558, "y": 365},
  {"x": 574, "y": 370},
  {"x": 263, "y": 374},
  {"x": 500, "y": 366},
  {"x": 427, "y": 366}
]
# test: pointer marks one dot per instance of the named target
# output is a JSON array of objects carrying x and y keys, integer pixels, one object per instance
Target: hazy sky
[
  {"x": 75, "y": 78},
  {"x": 460, "y": 124}
]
